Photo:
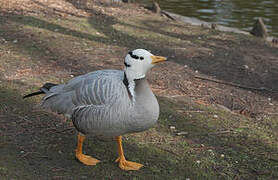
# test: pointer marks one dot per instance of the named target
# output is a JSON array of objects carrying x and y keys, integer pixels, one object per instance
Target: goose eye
[{"x": 141, "y": 58}]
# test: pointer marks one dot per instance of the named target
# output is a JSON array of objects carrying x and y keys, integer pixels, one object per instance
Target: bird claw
[
  {"x": 128, "y": 165},
  {"x": 87, "y": 160}
]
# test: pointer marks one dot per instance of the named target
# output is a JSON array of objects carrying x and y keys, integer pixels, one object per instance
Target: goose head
[{"x": 138, "y": 62}]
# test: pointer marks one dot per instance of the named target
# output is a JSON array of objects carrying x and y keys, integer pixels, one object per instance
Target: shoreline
[{"x": 197, "y": 22}]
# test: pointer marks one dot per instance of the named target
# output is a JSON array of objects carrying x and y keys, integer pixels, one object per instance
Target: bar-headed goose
[{"x": 108, "y": 103}]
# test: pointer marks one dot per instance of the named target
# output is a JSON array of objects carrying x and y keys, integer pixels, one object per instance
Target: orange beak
[{"x": 157, "y": 59}]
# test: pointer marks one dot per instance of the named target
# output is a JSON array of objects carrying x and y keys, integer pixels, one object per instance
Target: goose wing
[{"x": 96, "y": 90}]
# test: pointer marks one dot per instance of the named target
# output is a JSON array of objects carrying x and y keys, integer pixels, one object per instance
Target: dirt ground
[
  {"x": 236, "y": 60},
  {"x": 226, "y": 82}
]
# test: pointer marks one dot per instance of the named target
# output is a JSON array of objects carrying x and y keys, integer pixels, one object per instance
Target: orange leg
[
  {"x": 123, "y": 163},
  {"x": 87, "y": 160}
]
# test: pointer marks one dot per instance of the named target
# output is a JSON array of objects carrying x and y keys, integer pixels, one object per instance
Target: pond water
[{"x": 233, "y": 13}]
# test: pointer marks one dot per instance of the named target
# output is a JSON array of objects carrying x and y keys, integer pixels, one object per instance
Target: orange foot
[
  {"x": 87, "y": 160},
  {"x": 128, "y": 165}
]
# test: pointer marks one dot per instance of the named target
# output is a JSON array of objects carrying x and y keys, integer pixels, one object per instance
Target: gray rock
[
  {"x": 214, "y": 26},
  {"x": 183, "y": 133},
  {"x": 259, "y": 29},
  {"x": 155, "y": 8},
  {"x": 275, "y": 40}
]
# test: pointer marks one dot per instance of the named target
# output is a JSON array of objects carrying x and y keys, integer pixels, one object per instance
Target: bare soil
[{"x": 219, "y": 88}]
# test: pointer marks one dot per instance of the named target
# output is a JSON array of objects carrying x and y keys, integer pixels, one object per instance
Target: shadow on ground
[
  {"x": 228, "y": 60},
  {"x": 37, "y": 144}
]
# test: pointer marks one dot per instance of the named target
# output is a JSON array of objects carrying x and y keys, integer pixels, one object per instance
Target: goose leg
[
  {"x": 123, "y": 163},
  {"x": 87, "y": 160}
]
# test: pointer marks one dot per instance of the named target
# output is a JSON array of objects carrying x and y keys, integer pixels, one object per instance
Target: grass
[
  {"x": 35, "y": 144},
  {"x": 245, "y": 151}
]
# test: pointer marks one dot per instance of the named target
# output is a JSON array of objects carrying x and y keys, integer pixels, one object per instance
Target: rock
[
  {"x": 172, "y": 128},
  {"x": 275, "y": 40},
  {"x": 183, "y": 133},
  {"x": 205, "y": 25},
  {"x": 155, "y": 8},
  {"x": 223, "y": 107},
  {"x": 259, "y": 29},
  {"x": 214, "y": 26},
  {"x": 246, "y": 66}
]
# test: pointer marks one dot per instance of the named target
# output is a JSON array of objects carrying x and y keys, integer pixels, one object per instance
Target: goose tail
[{"x": 43, "y": 90}]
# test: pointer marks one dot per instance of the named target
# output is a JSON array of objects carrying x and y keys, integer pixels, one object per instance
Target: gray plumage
[
  {"x": 99, "y": 103},
  {"x": 108, "y": 103}
]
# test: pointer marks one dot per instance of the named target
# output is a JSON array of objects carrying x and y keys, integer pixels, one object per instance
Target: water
[{"x": 233, "y": 13}]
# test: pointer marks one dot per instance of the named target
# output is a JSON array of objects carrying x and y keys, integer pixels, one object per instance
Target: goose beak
[{"x": 157, "y": 59}]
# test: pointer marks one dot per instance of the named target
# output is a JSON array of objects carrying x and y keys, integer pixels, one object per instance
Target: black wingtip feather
[
  {"x": 45, "y": 86},
  {"x": 33, "y": 94}
]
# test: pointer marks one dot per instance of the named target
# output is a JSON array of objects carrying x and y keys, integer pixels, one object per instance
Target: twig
[
  {"x": 168, "y": 151},
  {"x": 58, "y": 169},
  {"x": 57, "y": 131},
  {"x": 272, "y": 113},
  {"x": 67, "y": 129},
  {"x": 58, "y": 177},
  {"x": 273, "y": 159},
  {"x": 168, "y": 15},
  {"x": 197, "y": 111},
  {"x": 27, "y": 153},
  {"x": 235, "y": 85},
  {"x": 220, "y": 132}
]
